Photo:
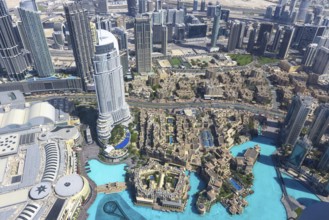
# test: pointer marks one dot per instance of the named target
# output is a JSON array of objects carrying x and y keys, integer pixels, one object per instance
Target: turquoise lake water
[{"x": 264, "y": 204}]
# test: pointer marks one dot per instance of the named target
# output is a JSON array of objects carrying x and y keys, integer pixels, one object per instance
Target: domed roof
[
  {"x": 40, "y": 190},
  {"x": 69, "y": 185}
]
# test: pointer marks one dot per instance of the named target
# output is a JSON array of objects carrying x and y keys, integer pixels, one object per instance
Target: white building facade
[{"x": 109, "y": 85}]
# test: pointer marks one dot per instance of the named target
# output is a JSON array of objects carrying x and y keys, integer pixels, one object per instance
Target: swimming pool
[
  {"x": 125, "y": 142},
  {"x": 235, "y": 184},
  {"x": 263, "y": 204}
]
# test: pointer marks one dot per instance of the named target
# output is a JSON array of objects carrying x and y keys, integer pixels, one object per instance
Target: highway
[{"x": 175, "y": 105}]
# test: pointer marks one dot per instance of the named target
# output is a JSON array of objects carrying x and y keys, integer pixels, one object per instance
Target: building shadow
[
  {"x": 294, "y": 184},
  {"x": 266, "y": 160},
  {"x": 307, "y": 201}
]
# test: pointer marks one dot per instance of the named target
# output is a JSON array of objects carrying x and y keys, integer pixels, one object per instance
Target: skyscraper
[
  {"x": 309, "y": 55},
  {"x": 142, "y": 6},
  {"x": 36, "y": 40},
  {"x": 264, "y": 43},
  {"x": 264, "y": 27},
  {"x": 164, "y": 41},
  {"x": 234, "y": 36},
  {"x": 203, "y": 5},
  {"x": 303, "y": 7},
  {"x": 294, "y": 122},
  {"x": 292, "y": 6},
  {"x": 215, "y": 27},
  {"x": 11, "y": 56},
  {"x": 150, "y": 6},
  {"x": 132, "y": 7},
  {"x": 299, "y": 152},
  {"x": 195, "y": 5},
  {"x": 28, "y": 5},
  {"x": 102, "y": 7},
  {"x": 143, "y": 44},
  {"x": 286, "y": 41},
  {"x": 324, "y": 161},
  {"x": 81, "y": 39},
  {"x": 58, "y": 36},
  {"x": 320, "y": 123},
  {"x": 321, "y": 61},
  {"x": 241, "y": 34},
  {"x": 109, "y": 86},
  {"x": 251, "y": 41},
  {"x": 276, "y": 40}
]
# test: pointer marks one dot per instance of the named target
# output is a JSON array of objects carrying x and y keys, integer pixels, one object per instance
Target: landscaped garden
[{"x": 241, "y": 59}]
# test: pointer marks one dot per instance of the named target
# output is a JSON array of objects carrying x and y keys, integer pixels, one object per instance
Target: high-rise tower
[
  {"x": 132, "y": 7},
  {"x": 309, "y": 55},
  {"x": 109, "y": 85},
  {"x": 36, "y": 40},
  {"x": 294, "y": 122},
  {"x": 143, "y": 44},
  {"x": 142, "y": 6},
  {"x": 304, "y": 4},
  {"x": 320, "y": 123},
  {"x": 324, "y": 161},
  {"x": 81, "y": 39},
  {"x": 299, "y": 152},
  {"x": 28, "y": 5},
  {"x": 234, "y": 36},
  {"x": 286, "y": 41},
  {"x": 321, "y": 61},
  {"x": 164, "y": 40},
  {"x": 11, "y": 56},
  {"x": 215, "y": 27}
]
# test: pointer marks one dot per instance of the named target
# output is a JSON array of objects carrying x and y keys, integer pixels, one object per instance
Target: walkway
[{"x": 89, "y": 152}]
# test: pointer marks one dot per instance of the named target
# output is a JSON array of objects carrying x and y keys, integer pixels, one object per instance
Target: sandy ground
[{"x": 164, "y": 63}]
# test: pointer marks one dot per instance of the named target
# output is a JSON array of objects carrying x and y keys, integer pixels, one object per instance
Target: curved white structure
[
  {"x": 69, "y": 185},
  {"x": 38, "y": 114},
  {"x": 29, "y": 212},
  {"x": 52, "y": 162},
  {"x": 108, "y": 79}
]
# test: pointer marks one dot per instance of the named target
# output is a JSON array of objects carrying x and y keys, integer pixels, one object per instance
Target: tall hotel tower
[
  {"x": 109, "y": 86},
  {"x": 143, "y": 44},
  {"x": 32, "y": 32},
  {"x": 297, "y": 114},
  {"x": 11, "y": 56},
  {"x": 81, "y": 38}
]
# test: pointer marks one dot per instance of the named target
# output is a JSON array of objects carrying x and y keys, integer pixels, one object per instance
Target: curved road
[{"x": 178, "y": 105}]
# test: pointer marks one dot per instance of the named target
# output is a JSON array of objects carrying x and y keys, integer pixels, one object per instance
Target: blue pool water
[
  {"x": 264, "y": 204},
  {"x": 235, "y": 184},
  {"x": 125, "y": 142},
  {"x": 298, "y": 191}
]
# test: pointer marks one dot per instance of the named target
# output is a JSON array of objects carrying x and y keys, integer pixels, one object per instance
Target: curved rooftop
[
  {"x": 69, "y": 185},
  {"x": 40, "y": 191},
  {"x": 29, "y": 212},
  {"x": 38, "y": 114},
  {"x": 65, "y": 133},
  {"x": 52, "y": 162},
  {"x": 106, "y": 37}
]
